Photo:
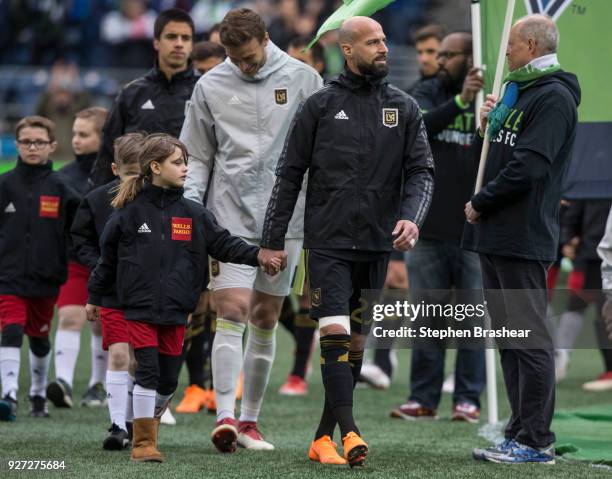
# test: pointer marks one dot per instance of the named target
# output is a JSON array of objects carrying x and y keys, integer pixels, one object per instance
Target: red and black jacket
[
  {"x": 156, "y": 249},
  {"x": 37, "y": 206}
]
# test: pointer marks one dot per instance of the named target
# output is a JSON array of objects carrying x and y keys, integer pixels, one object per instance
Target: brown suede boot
[{"x": 144, "y": 443}]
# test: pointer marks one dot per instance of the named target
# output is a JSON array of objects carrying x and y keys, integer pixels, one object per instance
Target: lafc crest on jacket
[
  {"x": 390, "y": 117},
  {"x": 280, "y": 96}
]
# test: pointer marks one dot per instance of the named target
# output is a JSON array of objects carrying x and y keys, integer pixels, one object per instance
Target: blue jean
[{"x": 438, "y": 264}]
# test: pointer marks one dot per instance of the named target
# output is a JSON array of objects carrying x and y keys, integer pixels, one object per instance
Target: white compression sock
[
  {"x": 67, "y": 344},
  {"x": 569, "y": 329},
  {"x": 117, "y": 396},
  {"x": 129, "y": 408},
  {"x": 144, "y": 402},
  {"x": 258, "y": 359},
  {"x": 9, "y": 370},
  {"x": 99, "y": 360},
  {"x": 39, "y": 370},
  {"x": 226, "y": 364}
]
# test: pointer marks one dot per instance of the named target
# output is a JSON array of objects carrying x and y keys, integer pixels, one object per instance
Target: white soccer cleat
[
  {"x": 374, "y": 376},
  {"x": 249, "y": 437},
  {"x": 167, "y": 418}
]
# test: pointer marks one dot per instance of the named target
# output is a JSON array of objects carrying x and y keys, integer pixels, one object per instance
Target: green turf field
[
  {"x": 9, "y": 165},
  {"x": 398, "y": 448}
]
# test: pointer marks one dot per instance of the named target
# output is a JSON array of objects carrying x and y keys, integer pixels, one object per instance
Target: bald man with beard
[{"x": 370, "y": 182}]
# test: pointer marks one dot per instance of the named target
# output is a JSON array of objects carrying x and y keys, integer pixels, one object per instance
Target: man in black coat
[
  {"x": 514, "y": 226},
  {"x": 370, "y": 181}
]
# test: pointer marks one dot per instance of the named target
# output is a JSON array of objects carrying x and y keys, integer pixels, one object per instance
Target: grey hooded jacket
[{"x": 235, "y": 128}]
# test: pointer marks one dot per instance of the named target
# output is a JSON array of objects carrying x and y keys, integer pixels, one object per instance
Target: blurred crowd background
[{"x": 60, "y": 56}]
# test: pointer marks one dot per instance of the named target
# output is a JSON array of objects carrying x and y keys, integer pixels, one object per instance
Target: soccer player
[
  {"x": 236, "y": 123},
  {"x": 154, "y": 248},
  {"x": 155, "y": 102},
  {"x": 36, "y": 209},
  {"x": 86, "y": 136},
  {"x": 370, "y": 182},
  {"x": 207, "y": 55},
  {"x": 91, "y": 217}
]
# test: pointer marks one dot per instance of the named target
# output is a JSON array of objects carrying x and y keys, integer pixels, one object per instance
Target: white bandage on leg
[{"x": 344, "y": 321}]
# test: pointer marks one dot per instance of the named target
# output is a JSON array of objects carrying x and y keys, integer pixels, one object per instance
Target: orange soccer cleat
[
  {"x": 211, "y": 402},
  {"x": 355, "y": 449},
  {"x": 194, "y": 400},
  {"x": 323, "y": 450}
]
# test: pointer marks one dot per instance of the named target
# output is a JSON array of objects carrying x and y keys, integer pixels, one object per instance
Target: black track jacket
[
  {"x": 369, "y": 164},
  {"x": 156, "y": 248},
  {"x": 37, "y": 206},
  {"x": 150, "y": 103}
]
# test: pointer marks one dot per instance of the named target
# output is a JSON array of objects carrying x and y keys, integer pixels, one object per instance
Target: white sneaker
[
  {"x": 602, "y": 383},
  {"x": 167, "y": 418},
  {"x": 448, "y": 386},
  {"x": 374, "y": 376},
  {"x": 561, "y": 364}
]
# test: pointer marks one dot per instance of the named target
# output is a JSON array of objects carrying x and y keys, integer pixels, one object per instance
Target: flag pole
[
  {"x": 477, "y": 53},
  {"x": 491, "y": 370},
  {"x": 499, "y": 71}
]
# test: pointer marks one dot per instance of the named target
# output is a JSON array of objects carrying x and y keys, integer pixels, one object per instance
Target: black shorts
[{"x": 336, "y": 279}]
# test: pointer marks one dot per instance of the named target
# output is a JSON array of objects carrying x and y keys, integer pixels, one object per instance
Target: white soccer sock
[
  {"x": 117, "y": 396},
  {"x": 9, "y": 370},
  {"x": 258, "y": 359},
  {"x": 144, "y": 402},
  {"x": 569, "y": 329},
  {"x": 99, "y": 360},
  {"x": 129, "y": 408},
  {"x": 67, "y": 344},
  {"x": 39, "y": 370},
  {"x": 161, "y": 401},
  {"x": 226, "y": 359}
]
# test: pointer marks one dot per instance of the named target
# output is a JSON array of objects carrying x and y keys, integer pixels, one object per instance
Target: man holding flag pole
[{"x": 514, "y": 225}]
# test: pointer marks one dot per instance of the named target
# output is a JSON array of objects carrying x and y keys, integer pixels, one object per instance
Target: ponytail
[{"x": 127, "y": 191}]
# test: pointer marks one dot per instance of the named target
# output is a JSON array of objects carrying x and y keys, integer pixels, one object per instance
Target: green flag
[
  {"x": 585, "y": 49},
  {"x": 351, "y": 8}
]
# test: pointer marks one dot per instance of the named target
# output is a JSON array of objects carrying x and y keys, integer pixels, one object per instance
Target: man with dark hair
[
  {"x": 154, "y": 103},
  {"x": 427, "y": 43},
  {"x": 370, "y": 180},
  {"x": 207, "y": 55},
  {"x": 236, "y": 123},
  {"x": 314, "y": 56},
  {"x": 438, "y": 262},
  {"x": 213, "y": 34}
]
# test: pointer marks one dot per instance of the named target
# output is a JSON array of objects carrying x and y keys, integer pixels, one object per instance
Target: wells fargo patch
[
  {"x": 49, "y": 206},
  {"x": 181, "y": 229}
]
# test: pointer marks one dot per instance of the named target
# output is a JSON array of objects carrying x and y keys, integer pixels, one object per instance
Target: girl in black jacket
[{"x": 156, "y": 247}]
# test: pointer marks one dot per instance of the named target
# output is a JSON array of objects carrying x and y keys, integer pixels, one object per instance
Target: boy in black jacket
[
  {"x": 36, "y": 209},
  {"x": 86, "y": 137},
  {"x": 155, "y": 248},
  {"x": 91, "y": 217}
]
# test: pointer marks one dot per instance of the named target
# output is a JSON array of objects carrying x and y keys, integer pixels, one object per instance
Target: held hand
[
  {"x": 472, "y": 84},
  {"x": 606, "y": 312},
  {"x": 471, "y": 215},
  {"x": 406, "y": 233},
  {"x": 486, "y": 108},
  {"x": 92, "y": 311},
  {"x": 272, "y": 261}
]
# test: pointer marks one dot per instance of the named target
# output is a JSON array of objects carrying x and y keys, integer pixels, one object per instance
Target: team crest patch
[
  {"x": 214, "y": 268},
  {"x": 390, "y": 117},
  {"x": 280, "y": 96},
  {"x": 315, "y": 297},
  {"x": 49, "y": 206},
  {"x": 181, "y": 229}
]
